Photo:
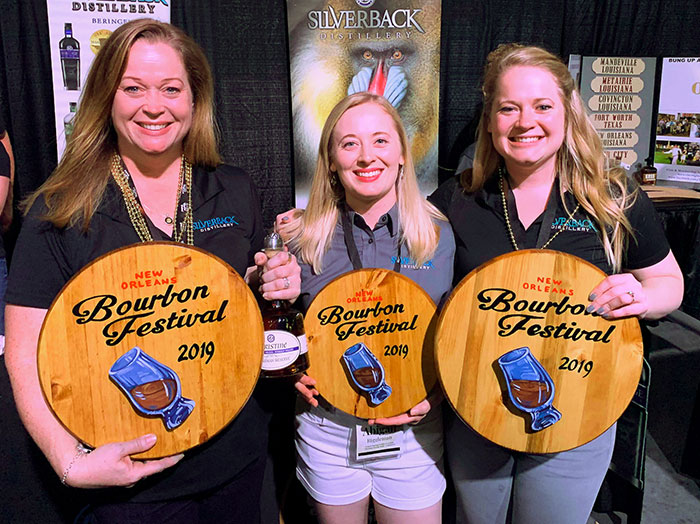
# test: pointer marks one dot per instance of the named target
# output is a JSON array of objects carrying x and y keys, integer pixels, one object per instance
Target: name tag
[{"x": 373, "y": 442}]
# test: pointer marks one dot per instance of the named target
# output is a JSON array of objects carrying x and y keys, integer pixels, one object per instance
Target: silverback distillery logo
[
  {"x": 119, "y": 6},
  {"x": 331, "y": 19}
]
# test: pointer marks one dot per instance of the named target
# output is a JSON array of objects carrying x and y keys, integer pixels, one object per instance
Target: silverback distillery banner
[
  {"x": 341, "y": 47},
  {"x": 76, "y": 31}
]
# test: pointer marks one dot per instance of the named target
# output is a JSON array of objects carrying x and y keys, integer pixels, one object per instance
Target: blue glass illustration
[
  {"x": 530, "y": 387},
  {"x": 367, "y": 372},
  {"x": 152, "y": 388}
]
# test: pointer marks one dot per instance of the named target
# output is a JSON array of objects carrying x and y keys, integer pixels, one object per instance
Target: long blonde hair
[
  {"x": 312, "y": 234},
  {"x": 581, "y": 164},
  {"x": 74, "y": 190}
]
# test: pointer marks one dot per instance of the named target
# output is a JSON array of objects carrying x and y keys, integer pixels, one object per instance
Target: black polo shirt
[
  {"x": 227, "y": 223},
  {"x": 481, "y": 234}
]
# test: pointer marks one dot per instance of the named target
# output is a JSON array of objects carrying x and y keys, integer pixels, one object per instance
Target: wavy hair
[
  {"x": 312, "y": 233},
  {"x": 75, "y": 188},
  {"x": 583, "y": 168}
]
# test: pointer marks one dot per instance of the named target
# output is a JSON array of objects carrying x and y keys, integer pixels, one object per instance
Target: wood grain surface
[
  {"x": 376, "y": 299},
  {"x": 185, "y": 308},
  {"x": 595, "y": 364}
]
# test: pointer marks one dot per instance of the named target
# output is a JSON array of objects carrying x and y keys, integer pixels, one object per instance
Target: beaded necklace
[
  {"x": 136, "y": 211},
  {"x": 501, "y": 187}
]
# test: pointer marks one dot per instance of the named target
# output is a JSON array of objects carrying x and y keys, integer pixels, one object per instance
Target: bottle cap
[{"x": 273, "y": 241}]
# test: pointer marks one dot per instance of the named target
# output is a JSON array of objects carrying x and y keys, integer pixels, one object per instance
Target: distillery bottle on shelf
[
  {"x": 68, "y": 120},
  {"x": 647, "y": 175},
  {"x": 70, "y": 59},
  {"x": 285, "y": 353}
]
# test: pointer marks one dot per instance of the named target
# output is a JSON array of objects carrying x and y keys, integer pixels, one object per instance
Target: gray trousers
[{"x": 495, "y": 485}]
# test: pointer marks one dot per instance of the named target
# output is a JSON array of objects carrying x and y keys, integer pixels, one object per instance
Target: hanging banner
[
  {"x": 677, "y": 151},
  {"x": 341, "y": 47},
  {"x": 76, "y": 31},
  {"x": 619, "y": 93}
]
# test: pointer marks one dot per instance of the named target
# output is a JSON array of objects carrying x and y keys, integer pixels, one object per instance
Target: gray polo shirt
[{"x": 378, "y": 247}]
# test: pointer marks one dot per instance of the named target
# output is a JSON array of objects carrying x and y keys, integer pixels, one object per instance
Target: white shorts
[{"x": 327, "y": 468}]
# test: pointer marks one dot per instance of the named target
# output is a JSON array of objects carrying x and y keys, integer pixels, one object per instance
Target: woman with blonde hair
[
  {"x": 540, "y": 180},
  {"x": 365, "y": 210},
  {"x": 142, "y": 165}
]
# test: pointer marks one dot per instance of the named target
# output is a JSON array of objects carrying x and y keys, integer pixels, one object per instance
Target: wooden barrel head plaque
[
  {"x": 156, "y": 338},
  {"x": 370, "y": 335},
  {"x": 522, "y": 361}
]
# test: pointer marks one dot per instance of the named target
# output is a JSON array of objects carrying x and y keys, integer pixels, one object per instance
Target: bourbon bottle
[
  {"x": 285, "y": 351},
  {"x": 647, "y": 175}
]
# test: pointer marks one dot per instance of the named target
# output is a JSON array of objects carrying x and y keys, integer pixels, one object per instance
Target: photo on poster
[
  {"x": 677, "y": 145},
  {"x": 341, "y": 47}
]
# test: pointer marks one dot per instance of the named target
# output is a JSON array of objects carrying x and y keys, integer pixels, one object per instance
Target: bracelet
[{"x": 80, "y": 452}]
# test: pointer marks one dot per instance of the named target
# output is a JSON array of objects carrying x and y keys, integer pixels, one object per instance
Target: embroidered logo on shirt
[
  {"x": 573, "y": 224},
  {"x": 215, "y": 223},
  {"x": 410, "y": 263}
]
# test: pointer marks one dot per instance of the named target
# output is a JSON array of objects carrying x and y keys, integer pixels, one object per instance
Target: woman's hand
[
  {"x": 617, "y": 296},
  {"x": 414, "y": 415},
  {"x": 279, "y": 277},
  {"x": 111, "y": 465},
  {"x": 648, "y": 292},
  {"x": 286, "y": 223},
  {"x": 305, "y": 385}
]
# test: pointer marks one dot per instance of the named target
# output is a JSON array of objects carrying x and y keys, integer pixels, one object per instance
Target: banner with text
[
  {"x": 677, "y": 149},
  {"x": 619, "y": 93},
  {"x": 341, "y": 47},
  {"x": 76, "y": 31}
]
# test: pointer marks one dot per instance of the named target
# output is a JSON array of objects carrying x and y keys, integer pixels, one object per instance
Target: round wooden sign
[
  {"x": 154, "y": 338},
  {"x": 522, "y": 361},
  {"x": 370, "y": 335}
]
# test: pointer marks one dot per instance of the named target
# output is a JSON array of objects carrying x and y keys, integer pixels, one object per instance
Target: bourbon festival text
[
  {"x": 520, "y": 317},
  {"x": 123, "y": 318},
  {"x": 362, "y": 321}
]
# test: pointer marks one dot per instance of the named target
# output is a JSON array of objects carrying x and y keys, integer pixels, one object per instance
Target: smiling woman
[
  {"x": 152, "y": 108},
  {"x": 141, "y": 165},
  {"x": 540, "y": 180},
  {"x": 365, "y": 210}
]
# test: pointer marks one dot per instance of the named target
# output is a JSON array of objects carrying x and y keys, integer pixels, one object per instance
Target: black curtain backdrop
[{"x": 246, "y": 43}]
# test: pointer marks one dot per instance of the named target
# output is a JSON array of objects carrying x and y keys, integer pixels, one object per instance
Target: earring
[
  {"x": 334, "y": 180},
  {"x": 401, "y": 172}
]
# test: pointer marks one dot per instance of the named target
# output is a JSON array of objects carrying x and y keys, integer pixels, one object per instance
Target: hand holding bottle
[{"x": 279, "y": 274}]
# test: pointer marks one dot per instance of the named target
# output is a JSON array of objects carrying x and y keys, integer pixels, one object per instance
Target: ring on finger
[
  {"x": 286, "y": 283},
  {"x": 631, "y": 293}
]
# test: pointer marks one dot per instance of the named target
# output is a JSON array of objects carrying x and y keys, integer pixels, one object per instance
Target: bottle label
[
  {"x": 70, "y": 54},
  {"x": 282, "y": 349}
]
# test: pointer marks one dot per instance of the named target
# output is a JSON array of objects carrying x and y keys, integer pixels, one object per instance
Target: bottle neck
[{"x": 280, "y": 305}]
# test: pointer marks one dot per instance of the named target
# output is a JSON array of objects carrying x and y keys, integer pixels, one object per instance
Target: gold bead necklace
[
  {"x": 501, "y": 186},
  {"x": 136, "y": 212}
]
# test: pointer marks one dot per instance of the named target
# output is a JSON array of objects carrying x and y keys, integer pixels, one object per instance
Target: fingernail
[
  {"x": 590, "y": 308},
  {"x": 606, "y": 316},
  {"x": 592, "y": 296},
  {"x": 601, "y": 310},
  {"x": 150, "y": 439},
  {"x": 285, "y": 219}
]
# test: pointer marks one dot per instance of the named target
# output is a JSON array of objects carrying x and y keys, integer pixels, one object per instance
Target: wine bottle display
[
  {"x": 68, "y": 120},
  {"x": 70, "y": 59},
  {"x": 285, "y": 340}
]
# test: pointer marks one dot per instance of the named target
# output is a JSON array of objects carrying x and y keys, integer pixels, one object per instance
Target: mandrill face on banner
[{"x": 331, "y": 57}]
